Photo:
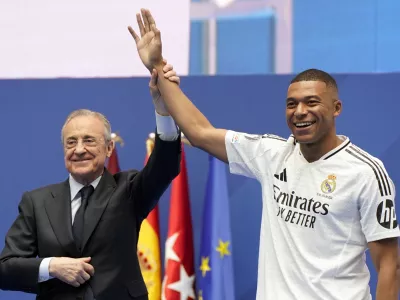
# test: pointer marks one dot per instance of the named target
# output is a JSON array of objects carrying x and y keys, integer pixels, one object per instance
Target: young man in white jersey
[{"x": 325, "y": 201}]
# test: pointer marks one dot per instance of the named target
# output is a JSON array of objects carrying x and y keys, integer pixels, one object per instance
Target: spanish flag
[{"x": 149, "y": 252}]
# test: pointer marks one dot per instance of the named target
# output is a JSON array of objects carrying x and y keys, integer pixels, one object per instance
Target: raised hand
[
  {"x": 74, "y": 271},
  {"x": 158, "y": 101},
  {"x": 149, "y": 45}
]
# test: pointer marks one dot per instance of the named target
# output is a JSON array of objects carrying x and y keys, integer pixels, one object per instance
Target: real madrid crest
[{"x": 329, "y": 184}]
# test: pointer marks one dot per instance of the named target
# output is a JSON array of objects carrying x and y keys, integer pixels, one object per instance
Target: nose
[
  {"x": 80, "y": 148},
  {"x": 301, "y": 110}
]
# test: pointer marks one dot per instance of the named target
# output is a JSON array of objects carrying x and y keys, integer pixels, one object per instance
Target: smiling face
[
  {"x": 311, "y": 109},
  {"x": 85, "y": 148}
]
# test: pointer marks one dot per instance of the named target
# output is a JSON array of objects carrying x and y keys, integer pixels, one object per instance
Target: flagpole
[
  {"x": 149, "y": 145},
  {"x": 117, "y": 138}
]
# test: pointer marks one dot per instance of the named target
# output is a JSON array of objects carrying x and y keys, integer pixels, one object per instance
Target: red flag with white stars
[{"x": 179, "y": 278}]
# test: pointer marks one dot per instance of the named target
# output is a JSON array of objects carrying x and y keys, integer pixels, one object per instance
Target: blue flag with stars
[{"x": 216, "y": 279}]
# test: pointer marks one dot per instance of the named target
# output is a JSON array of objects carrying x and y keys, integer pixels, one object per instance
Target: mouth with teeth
[{"x": 303, "y": 125}]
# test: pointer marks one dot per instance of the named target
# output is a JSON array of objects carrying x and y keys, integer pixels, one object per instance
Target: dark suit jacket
[{"x": 116, "y": 210}]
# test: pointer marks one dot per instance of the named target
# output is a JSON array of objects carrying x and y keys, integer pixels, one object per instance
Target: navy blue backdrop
[{"x": 33, "y": 111}]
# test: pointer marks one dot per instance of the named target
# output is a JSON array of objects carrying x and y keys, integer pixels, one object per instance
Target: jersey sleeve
[
  {"x": 248, "y": 153},
  {"x": 377, "y": 206}
]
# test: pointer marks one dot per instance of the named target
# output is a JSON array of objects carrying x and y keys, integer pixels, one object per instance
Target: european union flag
[{"x": 215, "y": 280}]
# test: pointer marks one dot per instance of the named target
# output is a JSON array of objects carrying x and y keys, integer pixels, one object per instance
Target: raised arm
[
  {"x": 164, "y": 162},
  {"x": 198, "y": 130},
  {"x": 163, "y": 166}
]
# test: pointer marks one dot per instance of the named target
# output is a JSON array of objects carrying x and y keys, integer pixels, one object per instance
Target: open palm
[{"x": 149, "y": 45}]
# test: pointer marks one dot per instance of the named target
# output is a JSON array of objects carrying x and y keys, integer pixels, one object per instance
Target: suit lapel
[
  {"x": 58, "y": 209},
  {"x": 97, "y": 204}
]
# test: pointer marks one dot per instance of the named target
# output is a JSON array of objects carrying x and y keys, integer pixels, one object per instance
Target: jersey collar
[
  {"x": 344, "y": 144},
  {"x": 334, "y": 151}
]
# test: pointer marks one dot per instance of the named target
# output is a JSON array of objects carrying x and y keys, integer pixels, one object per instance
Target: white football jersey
[{"x": 317, "y": 218}]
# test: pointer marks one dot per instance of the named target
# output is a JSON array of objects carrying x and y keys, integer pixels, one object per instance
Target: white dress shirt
[{"x": 167, "y": 130}]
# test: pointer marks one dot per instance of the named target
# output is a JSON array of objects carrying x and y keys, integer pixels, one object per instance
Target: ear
[
  {"x": 337, "y": 108},
  {"x": 110, "y": 148}
]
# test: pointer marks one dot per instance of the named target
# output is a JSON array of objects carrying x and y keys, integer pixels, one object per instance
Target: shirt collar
[
  {"x": 75, "y": 186},
  {"x": 337, "y": 149}
]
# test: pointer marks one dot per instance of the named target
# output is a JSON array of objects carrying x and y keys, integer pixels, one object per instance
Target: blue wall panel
[
  {"x": 337, "y": 36},
  {"x": 33, "y": 111},
  {"x": 241, "y": 47},
  {"x": 196, "y": 59},
  {"x": 388, "y": 35}
]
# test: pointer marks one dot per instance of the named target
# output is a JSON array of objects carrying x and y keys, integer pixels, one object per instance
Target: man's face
[
  {"x": 85, "y": 148},
  {"x": 311, "y": 109}
]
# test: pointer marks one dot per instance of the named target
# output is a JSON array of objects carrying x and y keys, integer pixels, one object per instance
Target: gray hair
[{"x": 87, "y": 112}]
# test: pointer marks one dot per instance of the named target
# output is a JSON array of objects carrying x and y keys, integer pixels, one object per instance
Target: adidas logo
[{"x": 281, "y": 176}]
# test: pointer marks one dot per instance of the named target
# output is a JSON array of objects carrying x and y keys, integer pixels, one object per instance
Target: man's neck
[
  {"x": 86, "y": 180},
  {"x": 313, "y": 152}
]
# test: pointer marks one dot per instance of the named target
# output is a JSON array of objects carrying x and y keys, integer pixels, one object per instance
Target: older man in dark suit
[{"x": 77, "y": 239}]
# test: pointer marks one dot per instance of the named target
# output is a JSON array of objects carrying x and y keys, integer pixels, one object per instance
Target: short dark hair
[{"x": 316, "y": 75}]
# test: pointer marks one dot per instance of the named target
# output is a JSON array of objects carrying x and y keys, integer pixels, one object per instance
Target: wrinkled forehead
[
  {"x": 84, "y": 126},
  {"x": 305, "y": 89}
]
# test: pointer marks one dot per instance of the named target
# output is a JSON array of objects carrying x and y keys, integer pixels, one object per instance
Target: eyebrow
[
  {"x": 304, "y": 98},
  {"x": 73, "y": 137}
]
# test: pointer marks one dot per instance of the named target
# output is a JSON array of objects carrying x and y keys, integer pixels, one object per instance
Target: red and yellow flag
[{"x": 149, "y": 252}]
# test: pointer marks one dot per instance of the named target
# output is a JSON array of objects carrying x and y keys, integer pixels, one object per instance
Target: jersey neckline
[{"x": 334, "y": 151}]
